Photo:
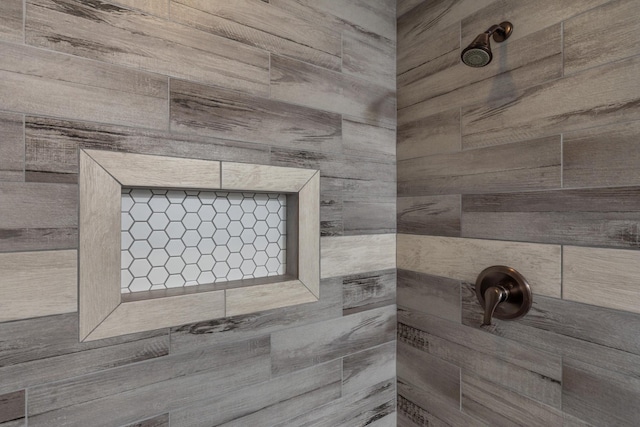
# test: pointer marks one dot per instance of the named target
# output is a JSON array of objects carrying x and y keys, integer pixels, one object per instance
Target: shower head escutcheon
[{"x": 478, "y": 53}]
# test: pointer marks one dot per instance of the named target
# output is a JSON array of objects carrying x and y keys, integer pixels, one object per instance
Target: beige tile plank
[
  {"x": 208, "y": 111},
  {"x": 604, "y": 156},
  {"x": 530, "y": 165},
  {"x": 264, "y": 26},
  {"x": 243, "y": 176},
  {"x": 300, "y": 83},
  {"x": 305, "y": 346},
  {"x": 38, "y": 284},
  {"x": 342, "y": 255},
  {"x": 604, "y": 277},
  {"x": 435, "y": 215},
  {"x": 464, "y": 259},
  {"x": 107, "y": 33},
  {"x": 11, "y": 26},
  {"x": 35, "y": 81},
  {"x": 437, "y": 296},
  {"x": 598, "y": 96},
  {"x": 12, "y": 158},
  {"x": 265, "y": 297},
  {"x": 34, "y": 239},
  {"x": 38, "y": 206},
  {"x": 370, "y": 57},
  {"x": 309, "y": 235},
  {"x": 367, "y": 138},
  {"x": 154, "y": 7},
  {"x": 158, "y": 171},
  {"x": 435, "y": 134},
  {"x": 368, "y": 368}
]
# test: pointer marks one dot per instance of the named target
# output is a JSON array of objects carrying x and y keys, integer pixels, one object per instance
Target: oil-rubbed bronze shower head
[{"x": 478, "y": 53}]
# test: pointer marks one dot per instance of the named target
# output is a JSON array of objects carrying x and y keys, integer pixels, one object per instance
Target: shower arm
[{"x": 500, "y": 31}]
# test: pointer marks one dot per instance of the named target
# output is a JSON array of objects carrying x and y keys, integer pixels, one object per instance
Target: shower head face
[{"x": 478, "y": 53}]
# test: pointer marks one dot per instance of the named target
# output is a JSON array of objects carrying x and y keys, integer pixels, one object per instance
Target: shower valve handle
[{"x": 503, "y": 293}]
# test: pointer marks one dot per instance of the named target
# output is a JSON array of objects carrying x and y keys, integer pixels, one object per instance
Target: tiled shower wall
[
  {"x": 531, "y": 162},
  {"x": 294, "y": 83}
]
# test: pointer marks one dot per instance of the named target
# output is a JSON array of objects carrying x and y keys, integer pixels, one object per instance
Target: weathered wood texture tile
[
  {"x": 436, "y": 215},
  {"x": 368, "y": 368},
  {"x": 367, "y": 138},
  {"x": 592, "y": 217},
  {"x": 341, "y": 256},
  {"x": 368, "y": 290},
  {"x": 11, "y": 27},
  {"x": 599, "y": 96},
  {"x": 412, "y": 415},
  {"x": 370, "y": 57},
  {"x": 437, "y": 296},
  {"x": 604, "y": 277},
  {"x": 36, "y": 205},
  {"x": 35, "y": 81},
  {"x": 464, "y": 259},
  {"x": 368, "y": 217},
  {"x": 404, "y": 6},
  {"x": 300, "y": 83},
  {"x": 331, "y": 202},
  {"x": 220, "y": 113},
  {"x": 11, "y": 147},
  {"x": 107, "y": 33},
  {"x": 531, "y": 165},
  {"x": 159, "y": 421},
  {"x": 154, "y": 7},
  {"x": 264, "y": 26},
  {"x": 434, "y": 134},
  {"x": 604, "y": 156},
  {"x": 305, "y": 346},
  {"x": 12, "y": 407}
]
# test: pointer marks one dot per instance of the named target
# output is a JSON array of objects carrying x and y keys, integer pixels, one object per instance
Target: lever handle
[{"x": 493, "y": 296}]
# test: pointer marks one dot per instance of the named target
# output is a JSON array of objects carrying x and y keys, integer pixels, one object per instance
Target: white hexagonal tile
[
  {"x": 221, "y": 204},
  {"x": 234, "y": 260},
  {"x": 158, "y": 287},
  {"x": 273, "y": 205},
  {"x": 261, "y": 213},
  {"x": 272, "y": 265},
  {"x": 140, "y": 284},
  {"x": 175, "y": 265},
  {"x": 206, "y": 229},
  {"x": 141, "y": 195},
  {"x": 273, "y": 220},
  {"x": 191, "y": 238},
  {"x": 191, "y": 255},
  {"x": 191, "y": 272},
  {"x": 206, "y": 277},
  {"x": 191, "y": 221},
  {"x": 235, "y": 244},
  {"x": 125, "y": 259},
  {"x": 221, "y": 220},
  {"x": 207, "y": 197},
  {"x": 140, "y": 212},
  {"x": 140, "y": 249},
  {"x": 125, "y": 241},
  {"x": 247, "y": 267},
  {"x": 158, "y": 221},
  {"x": 140, "y": 268},
  {"x": 126, "y": 202},
  {"x": 158, "y": 191},
  {"x": 220, "y": 270},
  {"x": 140, "y": 230},
  {"x": 248, "y": 251},
  {"x": 158, "y": 239},
  {"x": 235, "y": 228},
  {"x": 176, "y": 196},
  {"x": 273, "y": 249},
  {"x": 125, "y": 221},
  {"x": 206, "y": 213},
  {"x": 221, "y": 253},
  {"x": 248, "y": 220},
  {"x": 261, "y": 199},
  {"x": 175, "y": 247},
  {"x": 175, "y": 230},
  {"x": 206, "y": 246},
  {"x": 191, "y": 204},
  {"x": 175, "y": 212},
  {"x": 248, "y": 236},
  {"x": 158, "y": 203},
  {"x": 158, "y": 275},
  {"x": 260, "y": 243},
  {"x": 261, "y": 228},
  {"x": 235, "y": 213},
  {"x": 206, "y": 262},
  {"x": 282, "y": 213},
  {"x": 221, "y": 237},
  {"x": 234, "y": 274},
  {"x": 125, "y": 278},
  {"x": 158, "y": 257},
  {"x": 260, "y": 258},
  {"x": 248, "y": 205},
  {"x": 260, "y": 271},
  {"x": 174, "y": 281},
  {"x": 273, "y": 235},
  {"x": 235, "y": 198}
]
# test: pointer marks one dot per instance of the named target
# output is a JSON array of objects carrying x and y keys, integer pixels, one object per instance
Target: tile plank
[
  {"x": 367, "y": 138},
  {"x": 531, "y": 165},
  {"x": 344, "y": 255},
  {"x": 11, "y": 26},
  {"x": 437, "y": 296},
  {"x": 404, "y": 6},
  {"x": 38, "y": 205},
  {"x": 368, "y": 368},
  {"x": 12, "y": 407},
  {"x": 435, "y": 134},
  {"x": 369, "y": 56},
  {"x": 107, "y": 33},
  {"x": 11, "y": 146},
  {"x": 368, "y": 217},
  {"x": 435, "y": 215},
  {"x": 159, "y": 421},
  {"x": 155, "y": 7},
  {"x": 368, "y": 290}
]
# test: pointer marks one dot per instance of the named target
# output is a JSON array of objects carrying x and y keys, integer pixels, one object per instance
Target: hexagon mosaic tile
[{"x": 176, "y": 238}]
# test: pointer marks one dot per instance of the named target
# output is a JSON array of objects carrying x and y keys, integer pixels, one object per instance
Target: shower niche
[{"x": 166, "y": 241}]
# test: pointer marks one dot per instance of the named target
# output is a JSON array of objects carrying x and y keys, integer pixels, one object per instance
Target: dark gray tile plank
[
  {"x": 437, "y": 296},
  {"x": 191, "y": 337},
  {"x": 304, "y": 84},
  {"x": 264, "y": 26},
  {"x": 367, "y": 138},
  {"x": 11, "y": 146},
  {"x": 36, "y": 81},
  {"x": 369, "y": 217},
  {"x": 52, "y": 146},
  {"x": 604, "y": 156},
  {"x": 500, "y": 407},
  {"x": 305, "y": 346},
  {"x": 608, "y": 94},
  {"x": 12, "y": 407},
  {"x": 530, "y": 165},
  {"x": 159, "y": 421},
  {"x": 435, "y": 134},
  {"x": 411, "y": 415},
  {"x": 364, "y": 291},
  {"x": 11, "y": 25},
  {"x": 369, "y": 56},
  {"x": 590, "y": 217},
  {"x": 105, "y": 32},
  {"x": 268, "y": 402},
  {"x": 220, "y": 113},
  {"x": 433, "y": 215},
  {"x": 369, "y": 367},
  {"x": 614, "y": 403}
]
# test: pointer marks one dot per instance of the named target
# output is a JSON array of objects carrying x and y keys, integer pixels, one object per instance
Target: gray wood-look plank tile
[
  {"x": 600, "y": 96},
  {"x": 435, "y": 134},
  {"x": 404, "y": 6},
  {"x": 191, "y": 337},
  {"x": 52, "y": 146},
  {"x": 582, "y": 50},
  {"x": 373, "y": 406},
  {"x": 437, "y": 296},
  {"x": 368, "y": 368},
  {"x": 435, "y": 215},
  {"x": 264, "y": 26},
  {"x": 268, "y": 402},
  {"x": 11, "y": 146},
  {"x": 304, "y": 84},
  {"x": 11, "y": 25},
  {"x": 35, "y": 81},
  {"x": 331, "y": 202},
  {"x": 614, "y": 403},
  {"x": 28, "y": 239},
  {"x": 12, "y": 407},
  {"x": 361, "y": 217},
  {"x": 501, "y": 407},
  {"x": 159, "y": 421},
  {"x": 46, "y": 349},
  {"x": 154, "y": 7},
  {"x": 367, "y": 138},
  {"x": 305, "y": 346},
  {"x": 592, "y": 217},
  {"x": 604, "y": 156},
  {"x": 368, "y": 290},
  {"x": 411, "y": 415},
  {"x": 107, "y": 33},
  {"x": 529, "y": 165},
  {"x": 369, "y": 56},
  {"x": 220, "y": 113}
]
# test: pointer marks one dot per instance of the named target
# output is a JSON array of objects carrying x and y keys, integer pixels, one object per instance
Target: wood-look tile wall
[
  {"x": 531, "y": 161},
  {"x": 283, "y": 82}
]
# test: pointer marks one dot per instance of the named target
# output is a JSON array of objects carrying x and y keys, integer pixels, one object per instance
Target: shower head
[{"x": 478, "y": 53}]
